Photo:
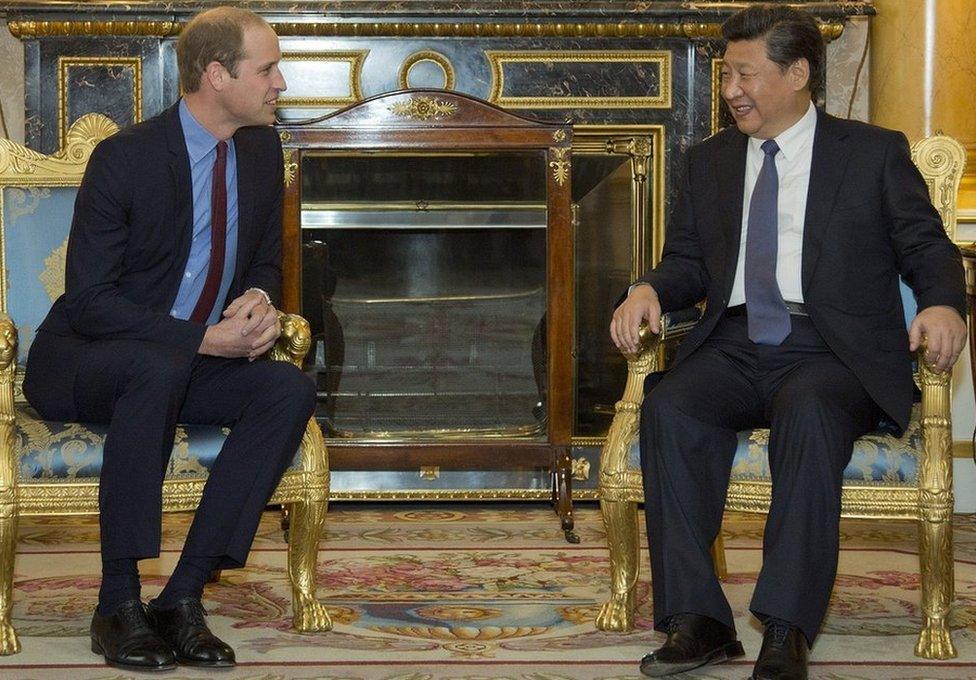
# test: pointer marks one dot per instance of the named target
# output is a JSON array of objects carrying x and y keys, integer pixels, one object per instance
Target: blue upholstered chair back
[{"x": 35, "y": 223}]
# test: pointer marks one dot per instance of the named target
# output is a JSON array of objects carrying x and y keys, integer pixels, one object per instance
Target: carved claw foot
[
  {"x": 617, "y": 613},
  {"x": 934, "y": 641},
  {"x": 9, "y": 644},
  {"x": 310, "y": 615}
]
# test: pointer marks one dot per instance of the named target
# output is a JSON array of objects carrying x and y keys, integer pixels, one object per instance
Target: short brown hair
[{"x": 214, "y": 35}]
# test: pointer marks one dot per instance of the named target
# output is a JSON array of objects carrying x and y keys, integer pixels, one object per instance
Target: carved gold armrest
[
  {"x": 295, "y": 339},
  {"x": 613, "y": 462},
  {"x": 8, "y": 366},
  {"x": 935, "y": 463}
]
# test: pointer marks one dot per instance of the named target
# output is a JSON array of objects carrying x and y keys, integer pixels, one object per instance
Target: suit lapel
[
  {"x": 826, "y": 176},
  {"x": 245, "y": 205},
  {"x": 179, "y": 166},
  {"x": 730, "y": 169}
]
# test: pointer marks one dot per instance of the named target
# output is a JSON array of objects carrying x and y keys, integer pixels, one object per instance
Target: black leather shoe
[
  {"x": 127, "y": 640},
  {"x": 784, "y": 653},
  {"x": 184, "y": 627},
  {"x": 693, "y": 641}
]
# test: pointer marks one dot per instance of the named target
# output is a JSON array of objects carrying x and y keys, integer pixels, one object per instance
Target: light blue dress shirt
[{"x": 201, "y": 146}]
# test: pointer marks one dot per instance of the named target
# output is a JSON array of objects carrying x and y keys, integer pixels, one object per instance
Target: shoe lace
[
  {"x": 134, "y": 616},
  {"x": 195, "y": 613},
  {"x": 777, "y": 631}
]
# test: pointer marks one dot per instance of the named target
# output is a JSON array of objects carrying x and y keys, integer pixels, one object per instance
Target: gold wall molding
[
  {"x": 65, "y": 64},
  {"x": 27, "y": 30},
  {"x": 355, "y": 60},
  {"x": 497, "y": 59},
  {"x": 430, "y": 56}
]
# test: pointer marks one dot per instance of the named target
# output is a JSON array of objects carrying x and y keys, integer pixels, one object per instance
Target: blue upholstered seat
[{"x": 879, "y": 458}]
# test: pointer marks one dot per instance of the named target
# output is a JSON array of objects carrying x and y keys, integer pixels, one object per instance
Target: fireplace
[{"x": 424, "y": 281}]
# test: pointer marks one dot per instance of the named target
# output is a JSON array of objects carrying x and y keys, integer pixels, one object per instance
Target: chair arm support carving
[
  {"x": 8, "y": 461},
  {"x": 935, "y": 463},
  {"x": 295, "y": 339},
  {"x": 613, "y": 459}
]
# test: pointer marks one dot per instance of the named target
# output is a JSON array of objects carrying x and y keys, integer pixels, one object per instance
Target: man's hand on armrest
[
  {"x": 249, "y": 328},
  {"x": 641, "y": 304},
  {"x": 945, "y": 332}
]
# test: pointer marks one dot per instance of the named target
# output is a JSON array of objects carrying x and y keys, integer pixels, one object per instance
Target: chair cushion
[
  {"x": 73, "y": 451},
  {"x": 879, "y": 458}
]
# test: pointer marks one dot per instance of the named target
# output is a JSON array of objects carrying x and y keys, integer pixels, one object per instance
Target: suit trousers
[
  {"x": 814, "y": 408},
  {"x": 142, "y": 390}
]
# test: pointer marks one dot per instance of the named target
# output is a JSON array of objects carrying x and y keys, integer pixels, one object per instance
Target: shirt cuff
[{"x": 267, "y": 298}]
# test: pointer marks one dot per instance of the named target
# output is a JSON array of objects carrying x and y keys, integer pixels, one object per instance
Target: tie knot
[{"x": 770, "y": 147}]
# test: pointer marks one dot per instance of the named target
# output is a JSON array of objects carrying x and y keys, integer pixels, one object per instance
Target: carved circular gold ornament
[
  {"x": 427, "y": 57},
  {"x": 458, "y": 612}
]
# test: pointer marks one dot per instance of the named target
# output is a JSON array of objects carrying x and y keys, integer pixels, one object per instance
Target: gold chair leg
[
  {"x": 937, "y": 575},
  {"x": 309, "y": 615},
  {"x": 620, "y": 523},
  {"x": 9, "y": 644},
  {"x": 718, "y": 557},
  {"x": 305, "y": 527}
]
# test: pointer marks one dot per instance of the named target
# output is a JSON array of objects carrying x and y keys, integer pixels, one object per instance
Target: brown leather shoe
[
  {"x": 184, "y": 627},
  {"x": 784, "y": 653},
  {"x": 126, "y": 640},
  {"x": 693, "y": 641}
]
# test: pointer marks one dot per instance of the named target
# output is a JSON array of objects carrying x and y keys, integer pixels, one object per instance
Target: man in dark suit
[
  {"x": 173, "y": 263},
  {"x": 794, "y": 226}
]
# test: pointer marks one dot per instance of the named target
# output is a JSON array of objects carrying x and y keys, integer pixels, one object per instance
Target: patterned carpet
[{"x": 463, "y": 592}]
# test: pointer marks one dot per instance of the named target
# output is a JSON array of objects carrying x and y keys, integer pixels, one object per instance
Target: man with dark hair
[
  {"x": 174, "y": 258},
  {"x": 794, "y": 226}
]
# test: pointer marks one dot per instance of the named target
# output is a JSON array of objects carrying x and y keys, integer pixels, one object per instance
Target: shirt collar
[
  {"x": 794, "y": 138},
  {"x": 199, "y": 141}
]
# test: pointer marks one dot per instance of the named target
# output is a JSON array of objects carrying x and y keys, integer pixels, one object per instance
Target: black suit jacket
[
  {"x": 132, "y": 227},
  {"x": 868, "y": 220}
]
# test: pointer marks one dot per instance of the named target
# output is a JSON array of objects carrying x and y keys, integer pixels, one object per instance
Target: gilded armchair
[
  {"x": 49, "y": 468},
  {"x": 906, "y": 478}
]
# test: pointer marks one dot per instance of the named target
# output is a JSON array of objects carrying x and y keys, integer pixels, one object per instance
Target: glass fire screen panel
[
  {"x": 603, "y": 252},
  {"x": 424, "y": 281}
]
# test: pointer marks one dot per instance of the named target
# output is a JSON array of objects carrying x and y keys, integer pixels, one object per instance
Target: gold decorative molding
[
  {"x": 431, "y": 56},
  {"x": 291, "y": 166},
  {"x": 581, "y": 469},
  {"x": 560, "y": 164},
  {"x": 645, "y": 145},
  {"x": 354, "y": 58},
  {"x": 497, "y": 59},
  {"x": 716, "y": 93},
  {"x": 26, "y": 30},
  {"x": 66, "y": 63},
  {"x": 423, "y": 108},
  {"x": 942, "y": 162},
  {"x": 458, "y": 495}
]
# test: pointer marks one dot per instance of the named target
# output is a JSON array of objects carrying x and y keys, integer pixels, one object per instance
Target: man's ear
[
  {"x": 216, "y": 75},
  {"x": 799, "y": 73}
]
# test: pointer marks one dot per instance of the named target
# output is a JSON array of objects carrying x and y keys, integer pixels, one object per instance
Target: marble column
[
  {"x": 11, "y": 85},
  {"x": 923, "y": 75}
]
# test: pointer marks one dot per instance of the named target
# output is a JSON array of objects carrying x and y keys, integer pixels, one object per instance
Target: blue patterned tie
[{"x": 769, "y": 320}]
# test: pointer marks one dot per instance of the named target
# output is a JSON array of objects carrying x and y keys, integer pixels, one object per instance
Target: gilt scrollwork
[
  {"x": 942, "y": 161},
  {"x": 560, "y": 164},
  {"x": 423, "y": 108}
]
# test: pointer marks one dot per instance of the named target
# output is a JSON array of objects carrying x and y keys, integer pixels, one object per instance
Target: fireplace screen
[{"x": 425, "y": 286}]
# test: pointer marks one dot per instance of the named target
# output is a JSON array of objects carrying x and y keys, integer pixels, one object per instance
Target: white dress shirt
[{"x": 793, "y": 167}]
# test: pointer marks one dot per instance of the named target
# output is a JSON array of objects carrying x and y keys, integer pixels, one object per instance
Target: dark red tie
[{"x": 218, "y": 237}]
